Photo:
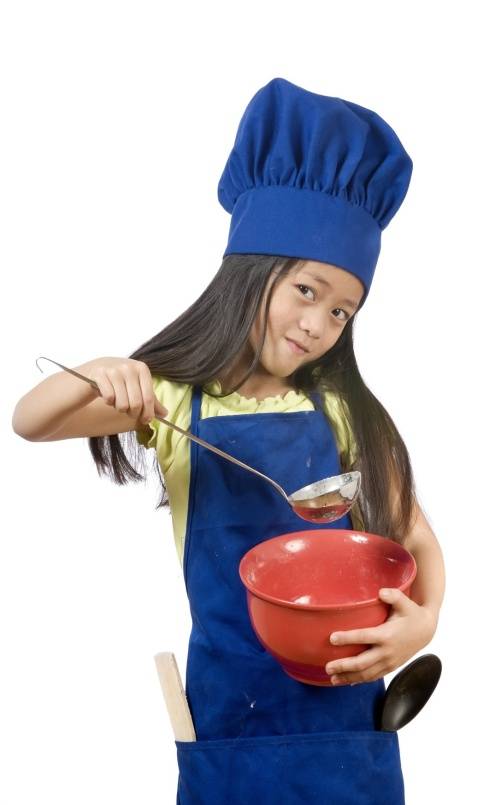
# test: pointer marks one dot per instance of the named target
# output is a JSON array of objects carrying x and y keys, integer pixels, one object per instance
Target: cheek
[
  {"x": 332, "y": 339},
  {"x": 279, "y": 320},
  {"x": 282, "y": 315}
]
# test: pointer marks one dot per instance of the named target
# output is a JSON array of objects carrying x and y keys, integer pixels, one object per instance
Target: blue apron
[{"x": 260, "y": 732}]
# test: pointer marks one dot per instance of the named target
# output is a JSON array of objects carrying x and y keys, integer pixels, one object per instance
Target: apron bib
[{"x": 260, "y": 732}]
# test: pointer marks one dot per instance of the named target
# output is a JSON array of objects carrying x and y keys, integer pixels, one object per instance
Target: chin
[{"x": 280, "y": 366}]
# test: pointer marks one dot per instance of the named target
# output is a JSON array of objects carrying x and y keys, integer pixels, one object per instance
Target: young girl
[{"x": 262, "y": 366}]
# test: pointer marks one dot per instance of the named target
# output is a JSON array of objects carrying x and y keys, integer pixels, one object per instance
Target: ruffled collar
[{"x": 291, "y": 396}]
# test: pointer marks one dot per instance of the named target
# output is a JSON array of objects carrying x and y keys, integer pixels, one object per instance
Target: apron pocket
[{"x": 331, "y": 768}]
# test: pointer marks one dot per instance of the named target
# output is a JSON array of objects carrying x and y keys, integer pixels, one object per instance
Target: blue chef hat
[{"x": 313, "y": 177}]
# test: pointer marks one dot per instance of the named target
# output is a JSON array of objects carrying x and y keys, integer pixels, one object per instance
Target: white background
[{"x": 117, "y": 120}]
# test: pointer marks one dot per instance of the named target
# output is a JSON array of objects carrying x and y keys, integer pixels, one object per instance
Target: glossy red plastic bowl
[{"x": 303, "y": 586}]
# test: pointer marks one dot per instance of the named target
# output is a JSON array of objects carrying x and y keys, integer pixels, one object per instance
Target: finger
[
  {"x": 135, "y": 393},
  {"x": 376, "y": 671},
  {"x": 148, "y": 395},
  {"x": 370, "y": 635},
  {"x": 121, "y": 402},
  {"x": 106, "y": 388},
  {"x": 361, "y": 662}
]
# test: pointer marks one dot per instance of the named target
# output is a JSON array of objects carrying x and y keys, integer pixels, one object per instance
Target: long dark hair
[{"x": 199, "y": 346}]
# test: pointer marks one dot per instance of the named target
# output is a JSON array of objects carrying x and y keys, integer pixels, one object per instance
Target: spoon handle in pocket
[{"x": 174, "y": 695}]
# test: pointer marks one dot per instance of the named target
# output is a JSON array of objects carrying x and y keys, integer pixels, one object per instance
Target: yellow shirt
[{"x": 173, "y": 449}]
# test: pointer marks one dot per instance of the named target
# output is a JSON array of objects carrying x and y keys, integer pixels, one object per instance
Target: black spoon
[{"x": 409, "y": 691}]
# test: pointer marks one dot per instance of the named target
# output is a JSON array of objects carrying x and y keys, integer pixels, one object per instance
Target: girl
[{"x": 262, "y": 366}]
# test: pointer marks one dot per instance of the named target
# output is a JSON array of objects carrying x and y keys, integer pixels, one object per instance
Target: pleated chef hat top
[{"x": 313, "y": 177}]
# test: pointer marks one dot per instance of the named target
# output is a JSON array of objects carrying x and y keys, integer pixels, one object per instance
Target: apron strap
[{"x": 317, "y": 401}]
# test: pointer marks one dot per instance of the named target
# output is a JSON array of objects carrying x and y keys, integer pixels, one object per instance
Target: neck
[{"x": 260, "y": 384}]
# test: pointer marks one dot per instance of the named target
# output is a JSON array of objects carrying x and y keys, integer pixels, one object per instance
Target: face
[{"x": 311, "y": 306}]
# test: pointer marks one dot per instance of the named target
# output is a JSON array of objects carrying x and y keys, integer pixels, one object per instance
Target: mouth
[{"x": 294, "y": 346}]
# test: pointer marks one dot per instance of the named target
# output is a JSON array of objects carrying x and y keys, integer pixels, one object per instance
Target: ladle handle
[
  {"x": 180, "y": 430},
  {"x": 224, "y": 455}
]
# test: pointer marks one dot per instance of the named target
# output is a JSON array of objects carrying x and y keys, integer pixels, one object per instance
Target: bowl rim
[{"x": 322, "y": 607}]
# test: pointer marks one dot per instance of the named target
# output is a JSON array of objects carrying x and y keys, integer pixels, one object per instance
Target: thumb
[
  {"x": 394, "y": 596},
  {"x": 160, "y": 409}
]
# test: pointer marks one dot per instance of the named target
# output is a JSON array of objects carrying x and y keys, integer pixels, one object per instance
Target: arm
[
  {"x": 412, "y": 622},
  {"x": 43, "y": 409},
  {"x": 64, "y": 407},
  {"x": 429, "y": 585}
]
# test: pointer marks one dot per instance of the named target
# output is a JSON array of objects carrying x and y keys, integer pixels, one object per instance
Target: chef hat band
[{"x": 312, "y": 177}]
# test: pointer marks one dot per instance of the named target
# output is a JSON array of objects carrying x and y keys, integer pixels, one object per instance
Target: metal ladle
[{"x": 321, "y": 502}]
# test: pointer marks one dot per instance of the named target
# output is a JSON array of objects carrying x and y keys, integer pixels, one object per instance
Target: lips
[{"x": 296, "y": 346}]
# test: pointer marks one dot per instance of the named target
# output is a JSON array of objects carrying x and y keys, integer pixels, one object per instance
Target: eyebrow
[{"x": 350, "y": 302}]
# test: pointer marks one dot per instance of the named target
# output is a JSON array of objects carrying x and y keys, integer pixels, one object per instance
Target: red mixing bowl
[{"x": 303, "y": 586}]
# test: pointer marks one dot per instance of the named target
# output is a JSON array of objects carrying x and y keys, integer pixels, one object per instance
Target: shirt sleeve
[
  {"x": 176, "y": 398},
  {"x": 336, "y": 412}
]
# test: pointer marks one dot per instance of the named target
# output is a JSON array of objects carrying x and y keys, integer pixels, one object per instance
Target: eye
[
  {"x": 306, "y": 288},
  {"x": 340, "y": 310}
]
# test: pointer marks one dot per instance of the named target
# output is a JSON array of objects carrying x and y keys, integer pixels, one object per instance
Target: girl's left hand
[{"x": 408, "y": 629}]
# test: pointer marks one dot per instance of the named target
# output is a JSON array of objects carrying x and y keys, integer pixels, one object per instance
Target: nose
[{"x": 312, "y": 323}]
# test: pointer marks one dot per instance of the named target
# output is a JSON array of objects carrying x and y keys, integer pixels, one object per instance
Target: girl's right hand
[{"x": 126, "y": 385}]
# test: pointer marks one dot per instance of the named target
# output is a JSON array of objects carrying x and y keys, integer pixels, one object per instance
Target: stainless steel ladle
[{"x": 321, "y": 502}]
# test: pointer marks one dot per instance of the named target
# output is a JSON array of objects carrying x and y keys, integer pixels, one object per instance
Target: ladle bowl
[
  {"x": 409, "y": 691},
  {"x": 327, "y": 500}
]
